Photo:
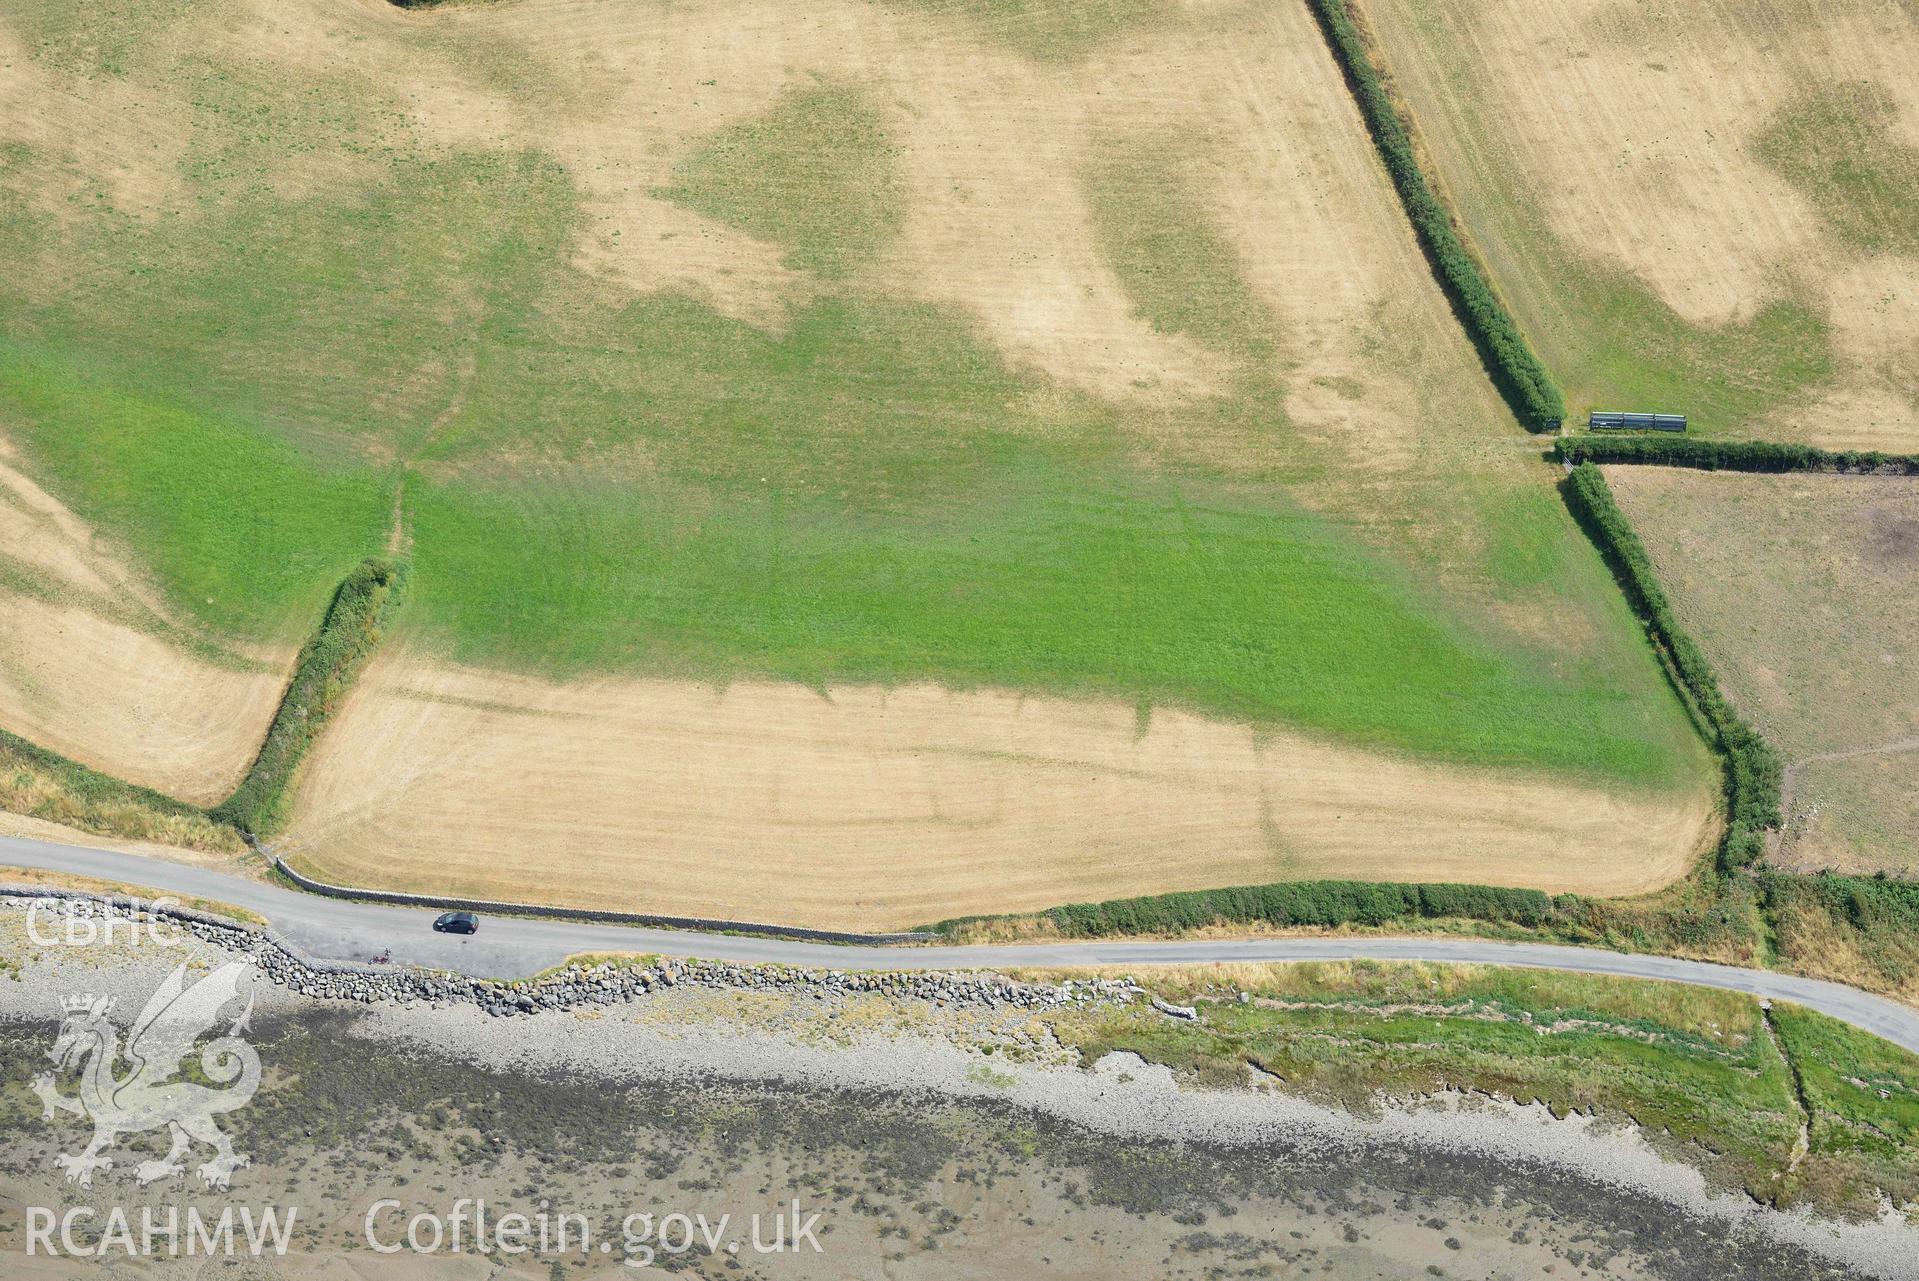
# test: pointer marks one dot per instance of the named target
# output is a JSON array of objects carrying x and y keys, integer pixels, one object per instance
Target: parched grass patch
[{"x": 1045, "y": 30}]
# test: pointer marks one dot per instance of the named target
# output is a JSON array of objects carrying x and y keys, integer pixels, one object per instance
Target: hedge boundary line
[
  {"x": 1731, "y": 455},
  {"x": 1521, "y": 377},
  {"x": 1753, "y": 770},
  {"x": 325, "y": 669},
  {"x": 1752, "y": 788},
  {"x": 399, "y": 898},
  {"x": 91, "y": 783},
  {"x": 1294, "y": 903}
]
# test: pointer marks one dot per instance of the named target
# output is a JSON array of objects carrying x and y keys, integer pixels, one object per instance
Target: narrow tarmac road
[{"x": 514, "y": 947}]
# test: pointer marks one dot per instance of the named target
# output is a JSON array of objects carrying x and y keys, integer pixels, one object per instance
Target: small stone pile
[{"x": 602, "y": 984}]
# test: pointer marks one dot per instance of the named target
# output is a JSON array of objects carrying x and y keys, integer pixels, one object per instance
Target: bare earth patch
[
  {"x": 1804, "y": 590},
  {"x": 871, "y": 808}
]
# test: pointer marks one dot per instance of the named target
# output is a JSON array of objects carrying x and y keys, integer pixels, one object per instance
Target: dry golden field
[
  {"x": 1804, "y": 591},
  {"x": 865, "y": 808},
  {"x": 92, "y": 667},
  {"x": 1039, "y": 422},
  {"x": 1708, "y": 207}
]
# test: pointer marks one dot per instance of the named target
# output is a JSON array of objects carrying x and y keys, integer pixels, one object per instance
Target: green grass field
[
  {"x": 1837, "y": 145},
  {"x": 604, "y": 481}
]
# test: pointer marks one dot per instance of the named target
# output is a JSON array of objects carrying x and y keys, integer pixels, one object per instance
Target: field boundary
[
  {"x": 399, "y": 898},
  {"x": 348, "y": 633},
  {"x": 1291, "y": 903},
  {"x": 1752, "y": 780},
  {"x": 1753, "y": 770},
  {"x": 92, "y": 783},
  {"x": 1731, "y": 455},
  {"x": 1522, "y": 378}
]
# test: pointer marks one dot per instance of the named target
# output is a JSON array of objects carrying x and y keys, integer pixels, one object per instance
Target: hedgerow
[
  {"x": 1287, "y": 903},
  {"x": 1521, "y": 378},
  {"x": 1728, "y": 455},
  {"x": 326, "y": 667},
  {"x": 1753, "y": 769}
]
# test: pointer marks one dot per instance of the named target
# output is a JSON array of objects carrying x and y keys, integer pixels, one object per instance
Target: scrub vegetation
[{"x": 40, "y": 785}]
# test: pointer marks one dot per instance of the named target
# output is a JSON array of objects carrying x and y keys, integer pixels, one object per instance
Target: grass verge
[
  {"x": 1862, "y": 930},
  {"x": 42, "y": 877},
  {"x": 1705, "y": 917},
  {"x": 41, "y": 784}
]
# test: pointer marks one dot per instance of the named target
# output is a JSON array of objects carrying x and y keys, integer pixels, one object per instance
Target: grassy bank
[
  {"x": 40, "y": 784},
  {"x": 1708, "y": 916},
  {"x": 1698, "y": 1069}
]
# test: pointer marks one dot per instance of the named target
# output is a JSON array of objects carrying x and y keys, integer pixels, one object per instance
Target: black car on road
[{"x": 457, "y": 923}]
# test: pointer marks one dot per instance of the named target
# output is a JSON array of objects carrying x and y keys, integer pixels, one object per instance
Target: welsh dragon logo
[{"x": 147, "y": 1096}]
